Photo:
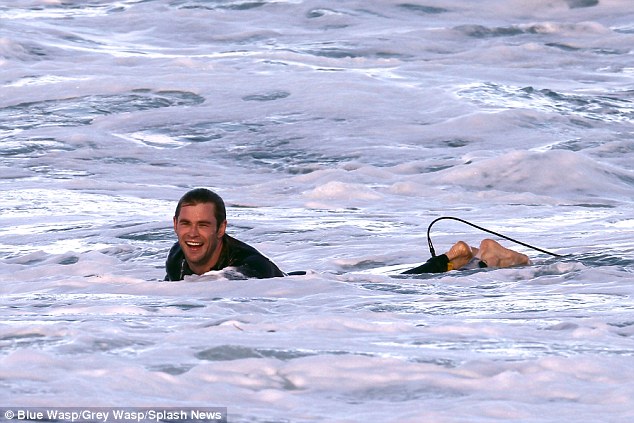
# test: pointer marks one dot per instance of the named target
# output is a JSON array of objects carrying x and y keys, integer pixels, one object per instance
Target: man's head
[
  {"x": 200, "y": 223},
  {"x": 203, "y": 195}
]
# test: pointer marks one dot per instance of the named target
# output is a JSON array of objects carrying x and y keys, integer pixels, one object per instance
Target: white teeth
[{"x": 194, "y": 244}]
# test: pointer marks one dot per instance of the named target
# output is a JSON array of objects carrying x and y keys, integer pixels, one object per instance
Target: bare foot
[
  {"x": 459, "y": 255},
  {"x": 494, "y": 255}
]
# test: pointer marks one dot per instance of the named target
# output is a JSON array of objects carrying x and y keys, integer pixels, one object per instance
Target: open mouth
[{"x": 192, "y": 244}]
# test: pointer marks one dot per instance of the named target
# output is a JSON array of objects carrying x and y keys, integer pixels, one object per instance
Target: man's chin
[{"x": 196, "y": 259}]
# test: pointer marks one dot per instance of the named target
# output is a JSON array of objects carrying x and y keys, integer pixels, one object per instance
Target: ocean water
[{"x": 336, "y": 131}]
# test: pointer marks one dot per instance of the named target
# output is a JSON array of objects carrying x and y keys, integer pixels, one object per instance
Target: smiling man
[{"x": 200, "y": 223}]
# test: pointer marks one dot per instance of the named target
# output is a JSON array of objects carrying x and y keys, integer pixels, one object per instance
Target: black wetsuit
[
  {"x": 436, "y": 264},
  {"x": 440, "y": 264},
  {"x": 246, "y": 259}
]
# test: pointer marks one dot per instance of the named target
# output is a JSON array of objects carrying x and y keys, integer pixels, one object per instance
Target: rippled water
[{"x": 336, "y": 132}]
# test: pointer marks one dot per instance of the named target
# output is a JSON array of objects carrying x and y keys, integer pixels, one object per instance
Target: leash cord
[{"x": 433, "y": 253}]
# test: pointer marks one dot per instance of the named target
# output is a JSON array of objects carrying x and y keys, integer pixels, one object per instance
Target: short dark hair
[{"x": 203, "y": 195}]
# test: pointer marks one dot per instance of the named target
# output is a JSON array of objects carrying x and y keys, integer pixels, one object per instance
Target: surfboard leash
[{"x": 431, "y": 246}]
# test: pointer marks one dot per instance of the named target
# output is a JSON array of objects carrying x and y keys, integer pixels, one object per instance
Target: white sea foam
[{"x": 336, "y": 133}]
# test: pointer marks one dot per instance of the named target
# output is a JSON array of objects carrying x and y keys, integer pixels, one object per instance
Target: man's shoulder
[
  {"x": 174, "y": 263},
  {"x": 248, "y": 259},
  {"x": 235, "y": 245}
]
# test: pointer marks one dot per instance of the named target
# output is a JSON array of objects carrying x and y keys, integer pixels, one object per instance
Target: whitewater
[{"x": 336, "y": 132}]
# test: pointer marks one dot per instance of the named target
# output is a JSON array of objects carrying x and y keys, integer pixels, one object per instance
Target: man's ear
[
  {"x": 222, "y": 228},
  {"x": 175, "y": 223}
]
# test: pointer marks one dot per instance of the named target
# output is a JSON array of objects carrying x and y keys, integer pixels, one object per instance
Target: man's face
[{"x": 199, "y": 236}]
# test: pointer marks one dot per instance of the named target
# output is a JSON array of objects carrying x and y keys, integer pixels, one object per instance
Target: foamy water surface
[{"x": 336, "y": 132}]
